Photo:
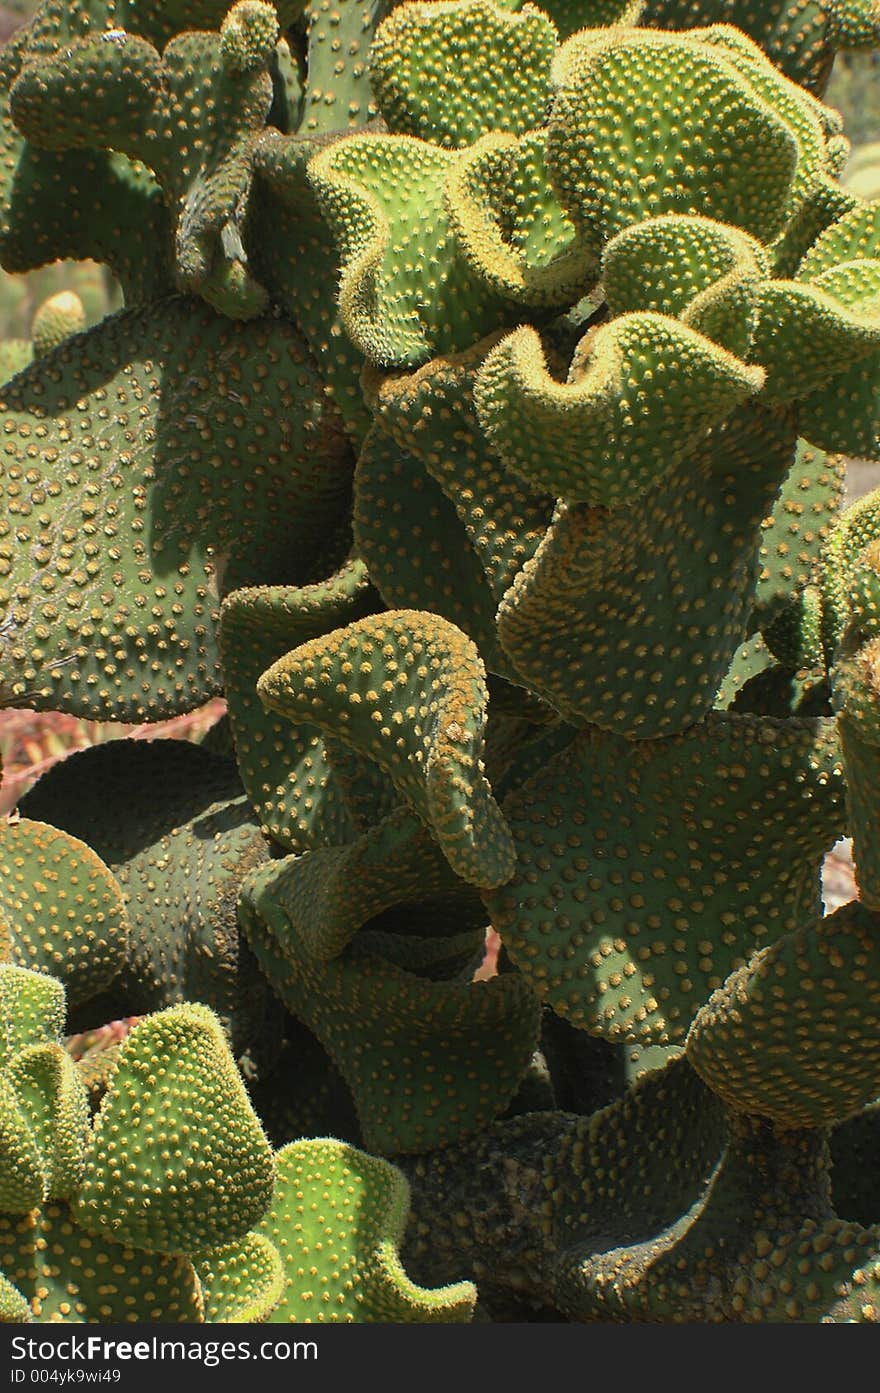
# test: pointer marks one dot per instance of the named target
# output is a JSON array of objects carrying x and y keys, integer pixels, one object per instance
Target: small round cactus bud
[
  {"x": 248, "y": 35},
  {"x": 55, "y": 320}
]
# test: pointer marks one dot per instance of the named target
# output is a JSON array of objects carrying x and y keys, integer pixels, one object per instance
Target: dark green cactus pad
[
  {"x": 284, "y": 230},
  {"x": 407, "y": 690},
  {"x": 412, "y": 540},
  {"x": 793, "y": 1035},
  {"x": 759, "y": 1245},
  {"x": 511, "y": 227},
  {"x": 65, "y": 908},
  {"x": 425, "y": 1061},
  {"x": 855, "y": 1156},
  {"x": 527, "y": 1201},
  {"x": 641, "y": 170},
  {"x": 69, "y": 1275},
  {"x": 241, "y": 1282},
  {"x": 384, "y": 199},
  {"x": 795, "y": 534},
  {"x": 623, "y": 923},
  {"x": 171, "y": 820},
  {"x": 176, "y": 1160},
  {"x": 453, "y": 75},
  {"x": 337, "y": 1218},
  {"x": 189, "y": 115},
  {"x": 283, "y": 767},
  {"x": 200, "y": 456},
  {"x": 605, "y": 436},
  {"x": 80, "y": 203},
  {"x": 328, "y": 894},
  {"x": 679, "y": 570},
  {"x": 304, "y": 1095},
  {"x": 430, "y": 414}
]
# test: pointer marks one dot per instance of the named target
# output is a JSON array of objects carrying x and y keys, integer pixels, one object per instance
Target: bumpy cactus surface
[{"x": 474, "y": 424}]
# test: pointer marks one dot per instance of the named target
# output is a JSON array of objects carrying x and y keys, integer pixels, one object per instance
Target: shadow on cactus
[{"x": 475, "y": 423}]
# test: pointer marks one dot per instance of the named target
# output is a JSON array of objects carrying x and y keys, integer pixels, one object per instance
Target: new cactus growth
[{"x": 474, "y": 424}]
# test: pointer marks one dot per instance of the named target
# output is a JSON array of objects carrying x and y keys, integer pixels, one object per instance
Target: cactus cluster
[{"x": 475, "y": 425}]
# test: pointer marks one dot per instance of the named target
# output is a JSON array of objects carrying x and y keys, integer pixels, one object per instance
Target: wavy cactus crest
[{"x": 474, "y": 424}]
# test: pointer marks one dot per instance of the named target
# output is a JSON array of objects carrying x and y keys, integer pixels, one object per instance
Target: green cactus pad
[
  {"x": 65, "y": 908},
  {"x": 855, "y": 236},
  {"x": 49, "y": 1093},
  {"x": 56, "y": 319},
  {"x": 241, "y": 1282},
  {"x": 32, "y": 1010},
  {"x": 171, "y": 820},
  {"x": 407, "y": 689},
  {"x": 794, "y": 536},
  {"x": 842, "y": 557},
  {"x": 15, "y": 354},
  {"x": 614, "y": 621},
  {"x": 14, "y": 1309},
  {"x": 430, "y": 414},
  {"x": 751, "y": 659},
  {"x": 792, "y": 1036},
  {"x": 337, "y": 1218},
  {"x": 807, "y": 119},
  {"x": 23, "y": 1180},
  {"x": 806, "y": 331},
  {"x": 283, "y": 767},
  {"x": 703, "y": 272},
  {"x": 248, "y": 35},
  {"x": 217, "y": 443},
  {"x": 611, "y": 170},
  {"x": 606, "y": 436},
  {"x": 625, "y": 925},
  {"x": 510, "y": 226},
  {"x": 72, "y": 1276},
  {"x": 338, "y": 93},
  {"x": 383, "y": 197},
  {"x": 176, "y": 1159},
  {"x": 842, "y": 1262},
  {"x": 425, "y": 1061},
  {"x": 454, "y": 74}
]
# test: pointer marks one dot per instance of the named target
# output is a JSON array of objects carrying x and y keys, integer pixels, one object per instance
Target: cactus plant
[{"x": 474, "y": 423}]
